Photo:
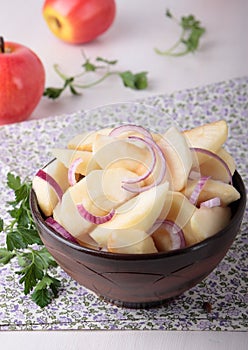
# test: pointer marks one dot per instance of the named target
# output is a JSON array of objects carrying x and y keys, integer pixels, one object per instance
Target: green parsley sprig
[
  {"x": 191, "y": 33},
  {"x": 24, "y": 244},
  {"x": 102, "y": 67}
]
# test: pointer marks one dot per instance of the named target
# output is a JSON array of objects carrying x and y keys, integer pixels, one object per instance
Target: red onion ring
[
  {"x": 60, "y": 229},
  {"x": 152, "y": 166},
  {"x": 98, "y": 220},
  {"x": 176, "y": 234},
  {"x": 51, "y": 181},
  {"x": 210, "y": 203},
  {"x": 197, "y": 190},
  {"x": 130, "y": 127},
  {"x": 72, "y": 170},
  {"x": 215, "y": 156},
  {"x": 159, "y": 179}
]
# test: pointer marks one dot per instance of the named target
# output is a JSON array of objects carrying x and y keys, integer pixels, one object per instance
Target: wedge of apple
[
  {"x": 206, "y": 222},
  {"x": 113, "y": 152},
  {"x": 227, "y": 193},
  {"x": 216, "y": 169},
  {"x": 178, "y": 209},
  {"x": 130, "y": 242},
  {"x": 83, "y": 142},
  {"x": 67, "y": 157},
  {"x": 46, "y": 197},
  {"x": 209, "y": 136},
  {"x": 139, "y": 213},
  {"x": 228, "y": 159},
  {"x": 100, "y": 191},
  {"x": 178, "y": 157}
]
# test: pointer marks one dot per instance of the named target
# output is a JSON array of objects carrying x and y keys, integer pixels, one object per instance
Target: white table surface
[{"x": 140, "y": 25}]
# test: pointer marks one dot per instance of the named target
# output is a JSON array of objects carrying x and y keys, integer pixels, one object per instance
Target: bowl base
[{"x": 137, "y": 305}]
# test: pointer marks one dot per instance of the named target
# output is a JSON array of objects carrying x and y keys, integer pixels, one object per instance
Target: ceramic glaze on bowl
[{"x": 141, "y": 280}]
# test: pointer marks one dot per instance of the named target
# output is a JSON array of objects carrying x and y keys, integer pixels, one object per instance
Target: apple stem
[{"x": 1, "y": 45}]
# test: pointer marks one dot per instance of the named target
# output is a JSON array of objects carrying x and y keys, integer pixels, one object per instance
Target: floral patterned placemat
[{"x": 25, "y": 147}]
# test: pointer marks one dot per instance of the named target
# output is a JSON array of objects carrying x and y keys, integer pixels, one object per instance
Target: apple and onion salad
[{"x": 127, "y": 190}]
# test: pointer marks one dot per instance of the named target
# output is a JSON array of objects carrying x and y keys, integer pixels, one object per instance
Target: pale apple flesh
[
  {"x": 136, "y": 226},
  {"x": 46, "y": 195},
  {"x": 99, "y": 191}
]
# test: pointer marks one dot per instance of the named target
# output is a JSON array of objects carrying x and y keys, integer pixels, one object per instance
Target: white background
[{"x": 140, "y": 25}]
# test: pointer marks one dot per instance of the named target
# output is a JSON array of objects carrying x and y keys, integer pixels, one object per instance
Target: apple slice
[
  {"x": 211, "y": 166},
  {"x": 67, "y": 157},
  {"x": 205, "y": 222},
  {"x": 83, "y": 142},
  {"x": 178, "y": 157},
  {"x": 66, "y": 213},
  {"x": 227, "y": 193},
  {"x": 178, "y": 209},
  {"x": 228, "y": 159},
  {"x": 113, "y": 152},
  {"x": 131, "y": 242},
  {"x": 139, "y": 213},
  {"x": 46, "y": 197},
  {"x": 209, "y": 136},
  {"x": 100, "y": 191}
]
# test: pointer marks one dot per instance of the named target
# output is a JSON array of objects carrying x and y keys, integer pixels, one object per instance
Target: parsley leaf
[
  {"x": 1, "y": 224},
  {"x": 24, "y": 243},
  {"x": 14, "y": 241},
  {"x": 14, "y": 182},
  {"x": 45, "y": 290},
  {"x": 191, "y": 33},
  {"x": 52, "y": 92},
  {"x": 104, "y": 60},
  {"x": 136, "y": 81},
  {"x": 5, "y": 256}
]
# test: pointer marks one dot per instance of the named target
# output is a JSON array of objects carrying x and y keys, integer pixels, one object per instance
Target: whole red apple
[
  {"x": 79, "y": 21},
  {"x": 22, "y": 78}
]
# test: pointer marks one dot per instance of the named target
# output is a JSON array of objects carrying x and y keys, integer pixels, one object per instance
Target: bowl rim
[{"x": 39, "y": 220}]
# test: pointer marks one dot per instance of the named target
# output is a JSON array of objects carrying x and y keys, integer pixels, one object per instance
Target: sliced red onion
[
  {"x": 176, "y": 234},
  {"x": 98, "y": 220},
  {"x": 159, "y": 179},
  {"x": 210, "y": 203},
  {"x": 51, "y": 181},
  {"x": 215, "y": 156},
  {"x": 198, "y": 188},
  {"x": 152, "y": 166},
  {"x": 130, "y": 127},
  {"x": 72, "y": 170},
  {"x": 60, "y": 229}
]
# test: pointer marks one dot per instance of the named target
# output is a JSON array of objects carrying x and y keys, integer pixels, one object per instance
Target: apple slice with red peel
[
  {"x": 46, "y": 196},
  {"x": 131, "y": 242},
  {"x": 139, "y": 213},
  {"x": 68, "y": 156},
  {"x": 205, "y": 222},
  {"x": 178, "y": 157},
  {"x": 227, "y": 193}
]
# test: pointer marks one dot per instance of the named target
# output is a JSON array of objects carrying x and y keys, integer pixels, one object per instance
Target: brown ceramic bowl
[{"x": 141, "y": 280}]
